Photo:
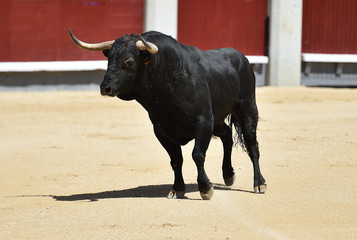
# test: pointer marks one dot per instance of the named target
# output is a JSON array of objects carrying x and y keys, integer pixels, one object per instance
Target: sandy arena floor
[{"x": 76, "y": 165}]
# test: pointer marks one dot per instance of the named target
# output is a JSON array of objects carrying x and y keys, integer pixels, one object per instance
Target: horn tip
[{"x": 70, "y": 32}]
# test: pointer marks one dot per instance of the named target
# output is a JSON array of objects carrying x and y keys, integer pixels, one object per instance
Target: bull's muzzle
[{"x": 107, "y": 90}]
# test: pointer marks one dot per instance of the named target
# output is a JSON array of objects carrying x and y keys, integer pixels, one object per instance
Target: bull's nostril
[{"x": 108, "y": 89}]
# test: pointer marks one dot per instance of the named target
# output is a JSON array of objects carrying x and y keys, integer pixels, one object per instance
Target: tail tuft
[{"x": 238, "y": 138}]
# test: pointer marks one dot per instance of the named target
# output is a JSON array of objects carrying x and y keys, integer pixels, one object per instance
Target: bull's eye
[{"x": 129, "y": 62}]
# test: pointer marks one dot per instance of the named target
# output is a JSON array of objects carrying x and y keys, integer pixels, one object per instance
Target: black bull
[{"x": 189, "y": 94}]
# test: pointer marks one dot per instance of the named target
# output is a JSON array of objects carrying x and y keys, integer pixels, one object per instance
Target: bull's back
[{"x": 229, "y": 78}]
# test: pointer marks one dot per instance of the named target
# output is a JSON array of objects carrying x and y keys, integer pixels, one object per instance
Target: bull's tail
[{"x": 238, "y": 138}]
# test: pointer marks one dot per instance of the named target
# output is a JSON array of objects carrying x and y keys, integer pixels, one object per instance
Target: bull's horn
[
  {"x": 144, "y": 45},
  {"x": 91, "y": 46}
]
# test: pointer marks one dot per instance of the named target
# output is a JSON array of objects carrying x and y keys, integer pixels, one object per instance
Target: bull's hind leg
[
  {"x": 225, "y": 134},
  {"x": 175, "y": 153},
  {"x": 247, "y": 116}
]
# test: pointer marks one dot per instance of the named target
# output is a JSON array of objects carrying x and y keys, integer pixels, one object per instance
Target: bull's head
[{"x": 124, "y": 57}]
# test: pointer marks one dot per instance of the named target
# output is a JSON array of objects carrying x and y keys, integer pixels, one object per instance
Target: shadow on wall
[{"x": 51, "y": 78}]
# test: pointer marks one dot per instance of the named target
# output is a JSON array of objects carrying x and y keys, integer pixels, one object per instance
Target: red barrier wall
[
  {"x": 329, "y": 26},
  {"x": 211, "y": 24},
  {"x": 36, "y": 30}
]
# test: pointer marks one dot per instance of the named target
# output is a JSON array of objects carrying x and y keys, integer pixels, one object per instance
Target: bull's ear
[{"x": 106, "y": 52}]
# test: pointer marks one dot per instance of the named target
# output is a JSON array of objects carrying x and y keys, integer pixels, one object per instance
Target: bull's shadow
[{"x": 151, "y": 191}]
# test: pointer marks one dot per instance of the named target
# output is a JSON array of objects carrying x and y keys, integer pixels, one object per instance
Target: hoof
[
  {"x": 230, "y": 181},
  {"x": 176, "y": 194},
  {"x": 207, "y": 195},
  {"x": 260, "y": 189}
]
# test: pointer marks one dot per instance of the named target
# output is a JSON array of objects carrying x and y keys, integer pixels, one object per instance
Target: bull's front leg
[
  {"x": 203, "y": 134},
  {"x": 175, "y": 153}
]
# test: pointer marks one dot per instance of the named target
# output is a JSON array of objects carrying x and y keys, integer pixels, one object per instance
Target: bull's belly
[
  {"x": 180, "y": 132},
  {"x": 180, "y": 129}
]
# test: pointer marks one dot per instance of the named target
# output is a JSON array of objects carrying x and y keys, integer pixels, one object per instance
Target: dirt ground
[{"x": 76, "y": 165}]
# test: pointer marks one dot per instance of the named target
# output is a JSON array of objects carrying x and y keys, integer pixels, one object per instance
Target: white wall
[
  {"x": 161, "y": 15},
  {"x": 285, "y": 43}
]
